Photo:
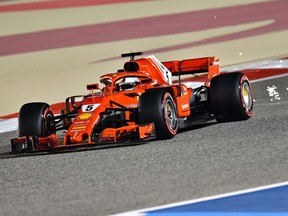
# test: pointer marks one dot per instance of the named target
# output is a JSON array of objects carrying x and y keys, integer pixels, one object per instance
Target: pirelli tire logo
[{"x": 85, "y": 116}]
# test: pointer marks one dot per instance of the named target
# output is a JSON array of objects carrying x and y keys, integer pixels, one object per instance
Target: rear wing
[{"x": 193, "y": 66}]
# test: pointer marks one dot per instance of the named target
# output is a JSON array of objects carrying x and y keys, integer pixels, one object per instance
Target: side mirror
[{"x": 93, "y": 86}]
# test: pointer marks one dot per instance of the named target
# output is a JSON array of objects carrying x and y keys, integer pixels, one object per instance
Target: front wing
[{"x": 126, "y": 135}]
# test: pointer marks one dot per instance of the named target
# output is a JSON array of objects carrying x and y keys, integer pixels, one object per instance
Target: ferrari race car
[{"x": 139, "y": 102}]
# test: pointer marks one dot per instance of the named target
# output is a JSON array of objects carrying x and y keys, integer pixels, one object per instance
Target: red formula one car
[{"x": 138, "y": 102}]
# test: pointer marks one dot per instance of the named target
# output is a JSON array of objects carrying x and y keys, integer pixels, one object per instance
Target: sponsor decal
[
  {"x": 80, "y": 123},
  {"x": 79, "y": 127},
  {"x": 85, "y": 116},
  {"x": 185, "y": 106}
]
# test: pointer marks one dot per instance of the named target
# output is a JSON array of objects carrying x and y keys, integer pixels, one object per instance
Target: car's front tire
[
  {"x": 36, "y": 119},
  {"x": 158, "y": 107}
]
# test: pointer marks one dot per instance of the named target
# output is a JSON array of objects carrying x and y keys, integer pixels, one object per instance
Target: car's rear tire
[
  {"x": 158, "y": 107},
  {"x": 36, "y": 119},
  {"x": 231, "y": 97}
]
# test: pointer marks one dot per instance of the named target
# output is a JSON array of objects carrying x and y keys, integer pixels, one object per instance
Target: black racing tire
[
  {"x": 158, "y": 107},
  {"x": 36, "y": 119},
  {"x": 231, "y": 97}
]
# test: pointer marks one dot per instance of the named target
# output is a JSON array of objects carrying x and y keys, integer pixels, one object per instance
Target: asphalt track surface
[{"x": 203, "y": 161}]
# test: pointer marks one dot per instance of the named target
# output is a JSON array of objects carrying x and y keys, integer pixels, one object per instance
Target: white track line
[
  {"x": 7, "y": 125},
  {"x": 209, "y": 198}
]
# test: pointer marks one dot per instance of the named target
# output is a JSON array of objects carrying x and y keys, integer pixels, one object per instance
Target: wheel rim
[
  {"x": 247, "y": 96},
  {"x": 48, "y": 123},
  {"x": 171, "y": 117}
]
